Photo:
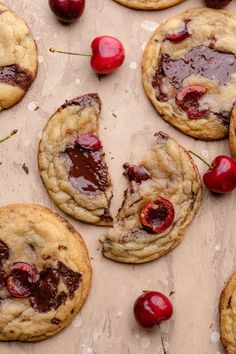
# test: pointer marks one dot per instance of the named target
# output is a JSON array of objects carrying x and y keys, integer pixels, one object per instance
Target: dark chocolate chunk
[
  {"x": 4, "y": 252},
  {"x": 14, "y": 75},
  {"x": 71, "y": 279},
  {"x": 55, "y": 321}
]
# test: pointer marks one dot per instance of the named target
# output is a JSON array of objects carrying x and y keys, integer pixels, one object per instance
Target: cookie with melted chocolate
[
  {"x": 189, "y": 72},
  {"x": 45, "y": 273},
  {"x": 72, "y": 162},
  {"x": 149, "y": 4},
  {"x": 163, "y": 197},
  {"x": 18, "y": 59}
]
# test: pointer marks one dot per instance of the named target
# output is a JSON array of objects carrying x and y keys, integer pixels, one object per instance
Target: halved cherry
[
  {"x": 88, "y": 141},
  {"x": 187, "y": 99},
  {"x": 16, "y": 288},
  {"x": 29, "y": 270},
  {"x": 22, "y": 279},
  {"x": 136, "y": 173},
  {"x": 179, "y": 36},
  {"x": 158, "y": 215}
]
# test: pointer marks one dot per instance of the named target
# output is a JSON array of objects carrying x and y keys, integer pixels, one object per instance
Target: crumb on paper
[
  {"x": 114, "y": 115},
  {"x": 25, "y": 168},
  {"x": 171, "y": 293}
]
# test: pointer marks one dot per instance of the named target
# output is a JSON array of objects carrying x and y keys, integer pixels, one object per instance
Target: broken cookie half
[
  {"x": 72, "y": 164},
  {"x": 165, "y": 193}
]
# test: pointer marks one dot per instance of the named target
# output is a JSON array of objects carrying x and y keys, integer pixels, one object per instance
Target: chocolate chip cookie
[
  {"x": 189, "y": 71},
  {"x": 149, "y": 4},
  {"x": 72, "y": 164},
  {"x": 165, "y": 193},
  {"x": 18, "y": 59},
  {"x": 227, "y": 315},
  {"x": 45, "y": 273}
]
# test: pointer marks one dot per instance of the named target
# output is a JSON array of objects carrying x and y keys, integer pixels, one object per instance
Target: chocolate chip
[{"x": 55, "y": 321}]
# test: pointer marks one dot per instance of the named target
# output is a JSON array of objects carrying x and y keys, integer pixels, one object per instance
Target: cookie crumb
[{"x": 25, "y": 168}]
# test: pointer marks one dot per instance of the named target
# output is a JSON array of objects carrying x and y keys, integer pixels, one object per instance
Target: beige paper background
[{"x": 197, "y": 269}]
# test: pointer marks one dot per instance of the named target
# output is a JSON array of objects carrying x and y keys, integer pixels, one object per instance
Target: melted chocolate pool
[
  {"x": 200, "y": 60},
  {"x": 88, "y": 172}
]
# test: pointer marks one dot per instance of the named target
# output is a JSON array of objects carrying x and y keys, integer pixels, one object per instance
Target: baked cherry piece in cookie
[
  {"x": 18, "y": 58},
  {"x": 72, "y": 164},
  {"x": 45, "y": 273},
  {"x": 149, "y": 4},
  {"x": 164, "y": 195},
  {"x": 227, "y": 315},
  {"x": 189, "y": 71}
]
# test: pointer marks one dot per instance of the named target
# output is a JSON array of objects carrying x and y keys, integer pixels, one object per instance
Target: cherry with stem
[
  {"x": 221, "y": 174},
  {"x": 107, "y": 54}
]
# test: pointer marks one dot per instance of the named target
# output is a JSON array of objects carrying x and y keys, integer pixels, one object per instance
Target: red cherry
[
  {"x": 221, "y": 176},
  {"x": 108, "y": 54},
  {"x": 23, "y": 276},
  {"x": 179, "y": 36},
  {"x": 187, "y": 99},
  {"x": 89, "y": 142},
  {"x": 157, "y": 216},
  {"x": 152, "y": 308},
  {"x": 67, "y": 10},
  {"x": 217, "y": 4},
  {"x": 136, "y": 173}
]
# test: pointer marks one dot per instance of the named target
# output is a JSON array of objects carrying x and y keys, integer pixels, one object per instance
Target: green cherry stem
[
  {"x": 200, "y": 158},
  {"x": 53, "y": 50},
  {"x": 162, "y": 340},
  {"x": 13, "y": 132}
]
